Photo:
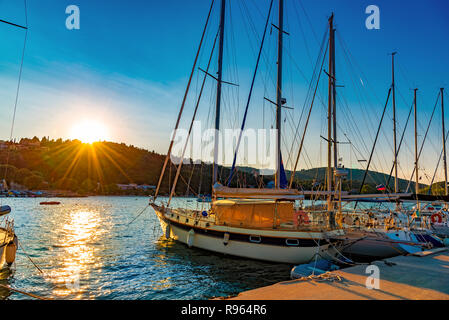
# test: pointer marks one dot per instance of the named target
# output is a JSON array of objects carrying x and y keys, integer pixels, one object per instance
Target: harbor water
[{"x": 90, "y": 248}]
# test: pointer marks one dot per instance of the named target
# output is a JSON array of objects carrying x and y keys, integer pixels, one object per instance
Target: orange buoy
[
  {"x": 300, "y": 218},
  {"x": 436, "y": 218}
]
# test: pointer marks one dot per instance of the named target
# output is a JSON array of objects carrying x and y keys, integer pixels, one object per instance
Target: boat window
[
  {"x": 255, "y": 239},
  {"x": 292, "y": 242}
]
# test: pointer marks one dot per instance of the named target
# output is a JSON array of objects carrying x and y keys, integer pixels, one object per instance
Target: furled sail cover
[
  {"x": 283, "y": 179},
  {"x": 253, "y": 214},
  {"x": 226, "y": 192}
]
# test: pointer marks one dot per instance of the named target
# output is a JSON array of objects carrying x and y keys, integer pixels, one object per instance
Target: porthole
[
  {"x": 292, "y": 242},
  {"x": 255, "y": 239}
]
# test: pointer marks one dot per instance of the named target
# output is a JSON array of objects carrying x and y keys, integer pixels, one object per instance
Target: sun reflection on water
[
  {"x": 87, "y": 249},
  {"x": 78, "y": 239}
]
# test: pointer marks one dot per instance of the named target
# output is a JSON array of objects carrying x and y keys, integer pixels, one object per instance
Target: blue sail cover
[{"x": 283, "y": 181}]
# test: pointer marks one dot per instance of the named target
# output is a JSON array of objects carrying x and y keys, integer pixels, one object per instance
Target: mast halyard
[
  {"x": 334, "y": 101},
  {"x": 218, "y": 101},
  {"x": 13, "y": 24},
  {"x": 168, "y": 156},
  {"x": 329, "y": 116},
  {"x": 394, "y": 125},
  {"x": 416, "y": 147},
  {"x": 444, "y": 143},
  {"x": 279, "y": 96}
]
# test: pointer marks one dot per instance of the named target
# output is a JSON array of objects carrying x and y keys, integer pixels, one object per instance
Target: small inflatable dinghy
[
  {"x": 319, "y": 267},
  {"x": 5, "y": 210}
]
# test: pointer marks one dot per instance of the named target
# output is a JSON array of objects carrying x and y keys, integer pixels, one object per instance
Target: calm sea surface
[{"x": 87, "y": 249}]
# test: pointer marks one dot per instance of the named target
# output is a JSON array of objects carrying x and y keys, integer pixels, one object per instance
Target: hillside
[
  {"x": 96, "y": 168},
  {"x": 356, "y": 176},
  {"x": 44, "y": 164}
]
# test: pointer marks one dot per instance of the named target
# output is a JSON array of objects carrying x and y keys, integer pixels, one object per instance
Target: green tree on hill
[
  {"x": 111, "y": 188},
  {"x": 88, "y": 186},
  {"x": 66, "y": 184},
  {"x": 22, "y": 174},
  {"x": 8, "y": 172},
  {"x": 368, "y": 189},
  {"x": 34, "y": 182}
]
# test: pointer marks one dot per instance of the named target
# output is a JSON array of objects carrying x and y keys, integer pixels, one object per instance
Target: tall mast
[
  {"x": 444, "y": 142},
  {"x": 334, "y": 94},
  {"x": 329, "y": 116},
  {"x": 218, "y": 101},
  {"x": 394, "y": 125},
  {"x": 279, "y": 96},
  {"x": 167, "y": 158},
  {"x": 416, "y": 144}
]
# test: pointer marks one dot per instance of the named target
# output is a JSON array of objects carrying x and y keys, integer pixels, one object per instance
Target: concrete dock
[{"x": 413, "y": 277}]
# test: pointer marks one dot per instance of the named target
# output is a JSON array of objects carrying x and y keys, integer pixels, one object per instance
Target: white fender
[
  {"x": 167, "y": 231},
  {"x": 446, "y": 242},
  {"x": 190, "y": 237},
  {"x": 10, "y": 254}
]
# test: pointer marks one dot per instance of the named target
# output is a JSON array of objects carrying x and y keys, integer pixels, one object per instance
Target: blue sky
[{"x": 129, "y": 63}]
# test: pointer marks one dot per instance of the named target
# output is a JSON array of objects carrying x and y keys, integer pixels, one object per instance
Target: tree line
[{"x": 49, "y": 164}]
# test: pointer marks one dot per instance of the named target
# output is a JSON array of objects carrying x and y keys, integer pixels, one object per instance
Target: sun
[{"x": 89, "y": 131}]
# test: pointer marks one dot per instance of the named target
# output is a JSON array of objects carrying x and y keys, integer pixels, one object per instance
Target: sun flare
[{"x": 89, "y": 131}]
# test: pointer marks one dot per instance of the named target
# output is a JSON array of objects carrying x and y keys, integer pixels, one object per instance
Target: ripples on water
[{"x": 87, "y": 250}]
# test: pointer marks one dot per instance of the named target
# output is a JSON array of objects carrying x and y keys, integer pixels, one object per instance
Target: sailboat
[
  {"x": 251, "y": 223},
  {"x": 8, "y": 243},
  {"x": 8, "y": 238},
  {"x": 391, "y": 236}
]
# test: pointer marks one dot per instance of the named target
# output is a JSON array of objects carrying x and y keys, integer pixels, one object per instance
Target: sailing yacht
[
  {"x": 8, "y": 238},
  {"x": 8, "y": 243},
  {"x": 391, "y": 236},
  {"x": 258, "y": 224}
]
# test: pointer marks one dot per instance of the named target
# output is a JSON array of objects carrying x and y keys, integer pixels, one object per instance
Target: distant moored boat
[{"x": 4, "y": 210}]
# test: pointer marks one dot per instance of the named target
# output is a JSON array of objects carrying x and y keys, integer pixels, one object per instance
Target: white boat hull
[{"x": 244, "y": 249}]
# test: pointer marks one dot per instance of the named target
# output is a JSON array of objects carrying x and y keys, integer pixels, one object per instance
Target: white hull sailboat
[
  {"x": 257, "y": 224},
  {"x": 8, "y": 243},
  {"x": 283, "y": 244},
  {"x": 8, "y": 238}
]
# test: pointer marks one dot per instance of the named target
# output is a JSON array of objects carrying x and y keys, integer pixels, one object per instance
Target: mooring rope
[
  {"x": 25, "y": 293},
  {"x": 140, "y": 213},
  {"x": 27, "y": 255},
  {"x": 328, "y": 276}
]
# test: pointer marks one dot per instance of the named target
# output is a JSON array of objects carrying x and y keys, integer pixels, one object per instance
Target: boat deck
[{"x": 422, "y": 277}]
